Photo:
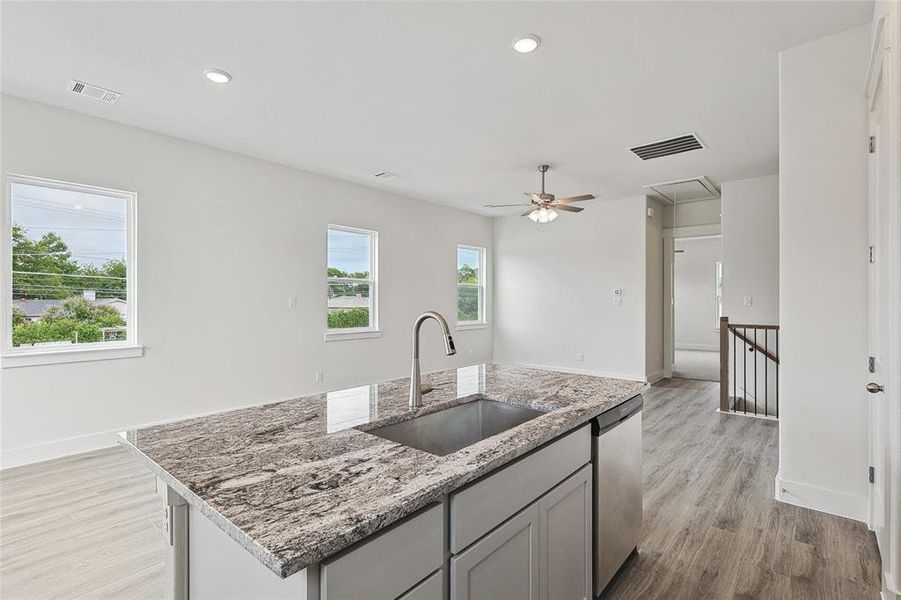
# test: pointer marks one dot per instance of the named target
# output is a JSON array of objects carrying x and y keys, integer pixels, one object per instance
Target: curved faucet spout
[{"x": 449, "y": 348}]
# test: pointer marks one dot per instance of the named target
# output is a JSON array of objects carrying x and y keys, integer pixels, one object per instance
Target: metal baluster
[
  {"x": 779, "y": 356},
  {"x": 756, "y": 395},
  {"x": 766, "y": 373},
  {"x": 734, "y": 373},
  {"x": 744, "y": 362}
]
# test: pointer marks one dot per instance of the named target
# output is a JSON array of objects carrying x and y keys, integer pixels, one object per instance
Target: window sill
[
  {"x": 468, "y": 326},
  {"x": 351, "y": 334},
  {"x": 52, "y": 357}
]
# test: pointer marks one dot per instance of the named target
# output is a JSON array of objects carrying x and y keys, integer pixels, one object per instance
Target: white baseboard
[
  {"x": 26, "y": 455},
  {"x": 702, "y": 347},
  {"x": 821, "y": 499},
  {"x": 576, "y": 370}
]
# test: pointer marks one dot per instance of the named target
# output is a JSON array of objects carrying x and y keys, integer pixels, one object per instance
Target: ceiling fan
[{"x": 543, "y": 207}]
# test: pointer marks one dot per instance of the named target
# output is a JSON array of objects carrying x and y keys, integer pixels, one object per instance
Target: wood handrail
[
  {"x": 752, "y": 343},
  {"x": 749, "y": 326}
]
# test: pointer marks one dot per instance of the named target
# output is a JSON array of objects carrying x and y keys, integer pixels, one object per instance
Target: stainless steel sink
[{"x": 448, "y": 430}]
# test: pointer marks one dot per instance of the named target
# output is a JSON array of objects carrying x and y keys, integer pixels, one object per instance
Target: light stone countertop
[{"x": 294, "y": 482}]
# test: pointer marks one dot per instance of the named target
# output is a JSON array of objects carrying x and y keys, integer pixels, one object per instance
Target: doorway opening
[{"x": 697, "y": 305}]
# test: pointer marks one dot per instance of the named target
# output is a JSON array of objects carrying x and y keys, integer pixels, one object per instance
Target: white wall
[
  {"x": 654, "y": 291},
  {"x": 700, "y": 212},
  {"x": 695, "y": 293},
  {"x": 554, "y": 289},
  {"x": 823, "y": 428},
  {"x": 223, "y": 241},
  {"x": 751, "y": 250}
]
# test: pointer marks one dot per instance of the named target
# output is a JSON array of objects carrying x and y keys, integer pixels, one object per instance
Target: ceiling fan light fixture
[
  {"x": 552, "y": 214},
  {"x": 533, "y": 216},
  {"x": 526, "y": 43}
]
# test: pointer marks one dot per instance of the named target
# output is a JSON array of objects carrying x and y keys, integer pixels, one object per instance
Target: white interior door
[{"x": 881, "y": 396}]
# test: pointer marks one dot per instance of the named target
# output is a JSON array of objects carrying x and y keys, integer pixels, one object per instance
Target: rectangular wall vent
[
  {"x": 93, "y": 91},
  {"x": 383, "y": 175},
  {"x": 676, "y": 145}
]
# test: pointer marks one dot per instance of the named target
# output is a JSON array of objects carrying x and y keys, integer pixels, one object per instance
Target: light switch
[
  {"x": 319, "y": 376},
  {"x": 292, "y": 301}
]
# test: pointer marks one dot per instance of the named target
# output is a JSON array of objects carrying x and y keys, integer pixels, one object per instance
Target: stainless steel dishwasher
[{"x": 616, "y": 454}]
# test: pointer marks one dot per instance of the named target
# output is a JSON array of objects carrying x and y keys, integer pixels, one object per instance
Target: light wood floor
[
  {"x": 711, "y": 526},
  {"x": 87, "y": 526}
]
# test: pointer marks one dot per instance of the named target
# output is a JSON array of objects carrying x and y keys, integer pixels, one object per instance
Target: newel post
[{"x": 724, "y": 364}]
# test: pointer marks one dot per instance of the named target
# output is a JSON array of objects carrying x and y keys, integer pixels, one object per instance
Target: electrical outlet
[
  {"x": 580, "y": 357},
  {"x": 469, "y": 352},
  {"x": 319, "y": 376},
  {"x": 748, "y": 301},
  {"x": 292, "y": 301},
  {"x": 618, "y": 301}
]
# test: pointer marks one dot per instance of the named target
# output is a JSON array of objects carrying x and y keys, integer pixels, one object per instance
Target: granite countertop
[{"x": 294, "y": 482}]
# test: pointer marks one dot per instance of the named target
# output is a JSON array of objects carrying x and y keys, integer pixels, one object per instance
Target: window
[
  {"x": 719, "y": 292},
  {"x": 470, "y": 286},
  {"x": 70, "y": 285},
  {"x": 351, "y": 281}
]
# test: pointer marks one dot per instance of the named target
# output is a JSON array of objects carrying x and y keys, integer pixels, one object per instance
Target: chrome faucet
[{"x": 415, "y": 376}]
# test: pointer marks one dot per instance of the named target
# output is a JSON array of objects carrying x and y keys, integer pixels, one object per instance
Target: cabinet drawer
[
  {"x": 430, "y": 589},
  {"x": 503, "y": 564},
  {"x": 477, "y": 509},
  {"x": 388, "y": 564}
]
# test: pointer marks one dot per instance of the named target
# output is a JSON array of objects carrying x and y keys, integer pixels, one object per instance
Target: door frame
[{"x": 882, "y": 77}]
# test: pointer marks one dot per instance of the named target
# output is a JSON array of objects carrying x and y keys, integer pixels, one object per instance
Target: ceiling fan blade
[
  {"x": 503, "y": 205},
  {"x": 581, "y": 198},
  {"x": 536, "y": 198},
  {"x": 528, "y": 212},
  {"x": 566, "y": 208}
]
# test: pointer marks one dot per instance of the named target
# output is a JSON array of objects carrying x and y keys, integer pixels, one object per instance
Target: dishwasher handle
[{"x": 609, "y": 419}]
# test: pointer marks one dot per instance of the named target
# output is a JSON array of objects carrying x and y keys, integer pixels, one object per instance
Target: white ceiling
[{"x": 433, "y": 91}]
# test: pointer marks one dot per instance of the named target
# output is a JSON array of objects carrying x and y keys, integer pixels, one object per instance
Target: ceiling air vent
[
  {"x": 385, "y": 175},
  {"x": 676, "y": 145},
  {"x": 93, "y": 91},
  {"x": 685, "y": 190}
]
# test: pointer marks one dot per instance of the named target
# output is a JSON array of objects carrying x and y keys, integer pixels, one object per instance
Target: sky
[
  {"x": 348, "y": 251},
  {"x": 93, "y": 226}
]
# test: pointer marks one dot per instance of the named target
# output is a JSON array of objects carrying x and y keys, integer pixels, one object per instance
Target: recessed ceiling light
[
  {"x": 527, "y": 43},
  {"x": 217, "y": 75}
]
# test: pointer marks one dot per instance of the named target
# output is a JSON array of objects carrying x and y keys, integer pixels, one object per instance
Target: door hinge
[
  {"x": 872, "y": 144},
  {"x": 871, "y": 254},
  {"x": 872, "y": 475},
  {"x": 871, "y": 364}
]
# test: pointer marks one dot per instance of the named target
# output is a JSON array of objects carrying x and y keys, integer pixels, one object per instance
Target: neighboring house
[
  {"x": 34, "y": 309},
  {"x": 347, "y": 302}
]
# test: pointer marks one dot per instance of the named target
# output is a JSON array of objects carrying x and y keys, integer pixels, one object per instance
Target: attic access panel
[{"x": 685, "y": 190}]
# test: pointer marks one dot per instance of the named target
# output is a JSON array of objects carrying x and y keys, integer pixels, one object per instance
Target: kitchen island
[{"x": 300, "y": 482}]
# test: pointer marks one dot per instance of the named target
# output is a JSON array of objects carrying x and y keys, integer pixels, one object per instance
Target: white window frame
[
  {"x": 355, "y": 333},
  {"x": 482, "y": 321},
  {"x": 33, "y": 356},
  {"x": 717, "y": 291}
]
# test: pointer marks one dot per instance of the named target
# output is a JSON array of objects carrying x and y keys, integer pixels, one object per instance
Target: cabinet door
[
  {"x": 430, "y": 589},
  {"x": 565, "y": 539},
  {"x": 501, "y": 566}
]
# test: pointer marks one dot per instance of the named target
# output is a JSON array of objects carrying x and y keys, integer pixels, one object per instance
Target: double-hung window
[
  {"x": 68, "y": 264},
  {"x": 351, "y": 279},
  {"x": 470, "y": 286}
]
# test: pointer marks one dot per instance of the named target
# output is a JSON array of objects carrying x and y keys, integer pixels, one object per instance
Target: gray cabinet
[
  {"x": 564, "y": 539},
  {"x": 388, "y": 564},
  {"x": 430, "y": 589},
  {"x": 542, "y": 553},
  {"x": 503, "y": 565}
]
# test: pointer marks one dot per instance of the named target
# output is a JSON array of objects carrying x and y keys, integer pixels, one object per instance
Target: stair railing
[{"x": 745, "y": 347}]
